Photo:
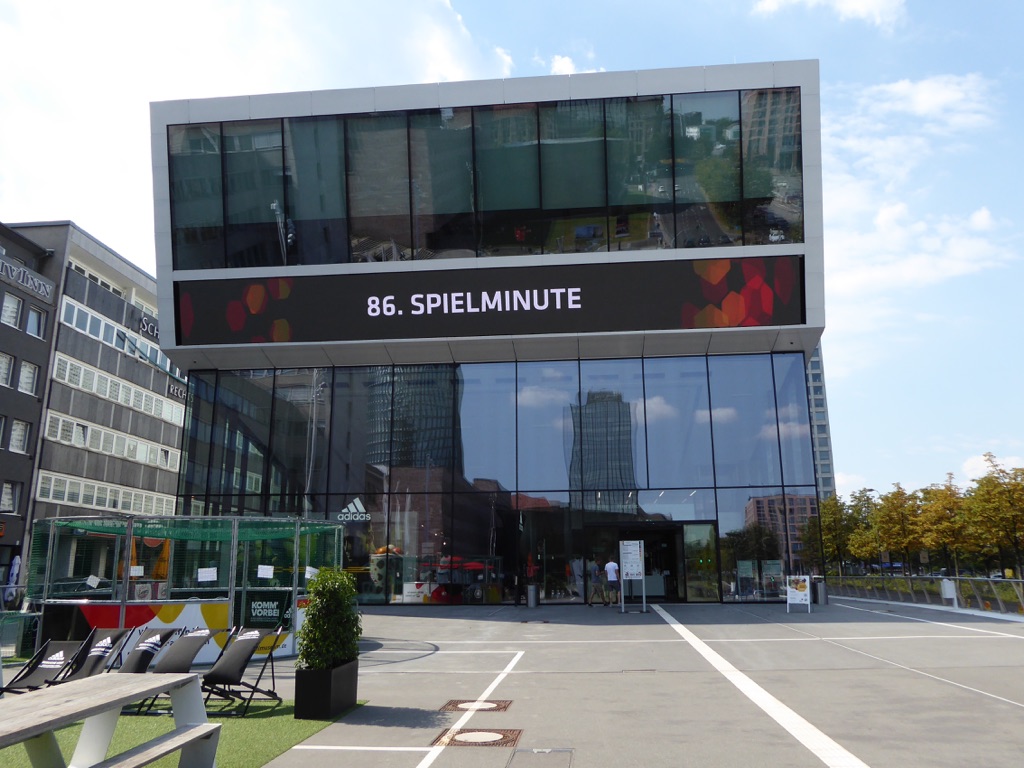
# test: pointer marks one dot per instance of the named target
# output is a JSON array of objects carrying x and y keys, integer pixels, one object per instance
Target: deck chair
[
  {"x": 179, "y": 658},
  {"x": 47, "y": 664},
  {"x": 149, "y": 645},
  {"x": 224, "y": 680},
  {"x": 92, "y": 658}
]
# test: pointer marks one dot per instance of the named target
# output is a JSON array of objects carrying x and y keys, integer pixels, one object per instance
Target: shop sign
[
  {"x": 148, "y": 327},
  {"x": 13, "y": 273},
  {"x": 496, "y": 301}
]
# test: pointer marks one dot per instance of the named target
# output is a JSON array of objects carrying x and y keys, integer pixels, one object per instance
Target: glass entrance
[{"x": 680, "y": 561}]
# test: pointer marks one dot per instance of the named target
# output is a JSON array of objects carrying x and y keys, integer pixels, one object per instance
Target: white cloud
[
  {"x": 659, "y": 409},
  {"x": 505, "y": 59},
  {"x": 721, "y": 415},
  {"x": 884, "y": 150},
  {"x": 885, "y": 14},
  {"x": 540, "y": 397},
  {"x": 562, "y": 65}
]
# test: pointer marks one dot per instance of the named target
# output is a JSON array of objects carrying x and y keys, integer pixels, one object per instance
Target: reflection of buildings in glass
[
  {"x": 422, "y": 410},
  {"x": 602, "y": 454},
  {"x": 771, "y": 129},
  {"x": 771, "y": 511}
]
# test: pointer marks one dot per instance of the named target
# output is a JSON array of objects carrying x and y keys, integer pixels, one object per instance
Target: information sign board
[{"x": 798, "y": 592}]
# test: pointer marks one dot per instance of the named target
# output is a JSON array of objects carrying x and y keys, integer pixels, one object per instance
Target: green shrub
[{"x": 330, "y": 631}]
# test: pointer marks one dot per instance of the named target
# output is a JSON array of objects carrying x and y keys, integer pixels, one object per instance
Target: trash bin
[
  {"x": 532, "y": 591},
  {"x": 820, "y": 592}
]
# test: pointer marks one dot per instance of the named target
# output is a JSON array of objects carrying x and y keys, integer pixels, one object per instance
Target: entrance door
[{"x": 680, "y": 560}]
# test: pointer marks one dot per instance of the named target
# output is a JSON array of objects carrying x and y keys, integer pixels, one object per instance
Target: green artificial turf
[{"x": 268, "y": 730}]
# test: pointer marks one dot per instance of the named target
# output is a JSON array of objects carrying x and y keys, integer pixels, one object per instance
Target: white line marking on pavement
[
  {"x": 436, "y": 751},
  {"x": 824, "y": 748},
  {"x": 965, "y": 627}
]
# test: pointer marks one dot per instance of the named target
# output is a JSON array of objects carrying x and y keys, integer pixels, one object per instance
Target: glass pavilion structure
[{"x": 497, "y": 327}]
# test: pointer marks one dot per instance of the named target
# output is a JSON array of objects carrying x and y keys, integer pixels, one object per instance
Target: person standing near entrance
[
  {"x": 597, "y": 583},
  {"x": 611, "y": 570}
]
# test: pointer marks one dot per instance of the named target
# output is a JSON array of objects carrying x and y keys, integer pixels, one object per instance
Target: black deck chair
[
  {"x": 46, "y": 664},
  {"x": 95, "y": 654},
  {"x": 224, "y": 680},
  {"x": 179, "y": 657},
  {"x": 149, "y": 645}
]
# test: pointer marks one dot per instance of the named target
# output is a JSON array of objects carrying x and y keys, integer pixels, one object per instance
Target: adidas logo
[{"x": 50, "y": 662}]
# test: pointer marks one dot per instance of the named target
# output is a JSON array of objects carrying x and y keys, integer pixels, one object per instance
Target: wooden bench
[{"x": 33, "y": 718}]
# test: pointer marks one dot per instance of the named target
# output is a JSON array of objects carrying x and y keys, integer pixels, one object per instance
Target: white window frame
[
  {"x": 25, "y": 430},
  {"x": 32, "y": 370},
  {"x": 6, "y": 369},
  {"x": 11, "y": 304}
]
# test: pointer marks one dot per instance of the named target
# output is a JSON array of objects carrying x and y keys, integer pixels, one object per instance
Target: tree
[
  {"x": 998, "y": 503},
  {"x": 863, "y": 540},
  {"x": 945, "y": 522},
  {"x": 837, "y": 524},
  {"x": 895, "y": 521}
]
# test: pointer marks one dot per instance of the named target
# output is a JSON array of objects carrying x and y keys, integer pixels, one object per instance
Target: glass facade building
[{"x": 498, "y": 327}]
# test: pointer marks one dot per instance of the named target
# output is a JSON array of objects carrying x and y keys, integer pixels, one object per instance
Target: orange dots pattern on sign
[
  {"x": 256, "y": 298},
  {"x": 738, "y": 293},
  {"x": 280, "y": 288},
  {"x": 280, "y": 331},
  {"x": 235, "y": 315}
]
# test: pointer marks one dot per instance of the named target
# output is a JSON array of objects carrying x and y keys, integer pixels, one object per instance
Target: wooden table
[{"x": 33, "y": 718}]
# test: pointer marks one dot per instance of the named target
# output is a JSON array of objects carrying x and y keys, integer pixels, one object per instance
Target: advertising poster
[{"x": 798, "y": 592}]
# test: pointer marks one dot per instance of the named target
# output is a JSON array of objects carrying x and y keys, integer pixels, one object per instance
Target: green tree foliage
[
  {"x": 837, "y": 524},
  {"x": 997, "y": 504},
  {"x": 946, "y": 525},
  {"x": 895, "y": 520},
  {"x": 979, "y": 527},
  {"x": 330, "y": 631}
]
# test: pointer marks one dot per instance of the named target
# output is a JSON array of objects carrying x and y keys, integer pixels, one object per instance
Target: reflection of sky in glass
[
  {"x": 488, "y": 421},
  {"x": 545, "y": 393}
]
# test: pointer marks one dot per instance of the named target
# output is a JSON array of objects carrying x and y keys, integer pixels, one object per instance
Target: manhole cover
[
  {"x": 460, "y": 705},
  {"x": 489, "y": 737}
]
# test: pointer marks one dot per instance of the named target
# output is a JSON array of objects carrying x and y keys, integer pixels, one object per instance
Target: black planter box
[{"x": 323, "y": 694}]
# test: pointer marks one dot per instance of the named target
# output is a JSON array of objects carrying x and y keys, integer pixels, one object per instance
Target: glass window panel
[
  {"x": 241, "y": 431},
  {"x": 82, "y": 321},
  {"x": 772, "y": 166},
  {"x": 678, "y": 428},
  {"x": 301, "y": 433},
  {"x": 94, "y": 326},
  {"x": 794, "y": 420},
  {"x": 360, "y": 429},
  {"x": 743, "y": 421},
  {"x": 441, "y": 153},
  {"x": 639, "y": 158},
  {"x": 676, "y": 504},
  {"x": 573, "y": 183},
  {"x": 545, "y": 395},
  {"x": 20, "y": 431},
  {"x": 485, "y": 424},
  {"x": 6, "y": 369},
  {"x": 11, "y": 313},
  {"x": 36, "y": 325},
  {"x": 316, "y": 231},
  {"x": 508, "y": 179},
  {"x": 611, "y": 453},
  {"x": 422, "y": 427},
  {"x": 572, "y": 154},
  {"x": 706, "y": 133},
  {"x": 254, "y": 204},
  {"x": 69, "y": 313},
  {"x": 197, "y": 206},
  {"x": 752, "y": 527},
  {"x": 378, "y": 187}
]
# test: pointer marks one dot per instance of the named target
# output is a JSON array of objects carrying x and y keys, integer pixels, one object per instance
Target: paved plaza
[{"x": 854, "y": 683}]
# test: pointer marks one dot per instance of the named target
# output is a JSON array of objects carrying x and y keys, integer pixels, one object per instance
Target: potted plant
[{"x": 327, "y": 668}]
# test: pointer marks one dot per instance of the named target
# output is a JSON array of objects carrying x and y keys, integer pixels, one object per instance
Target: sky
[{"x": 921, "y": 117}]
